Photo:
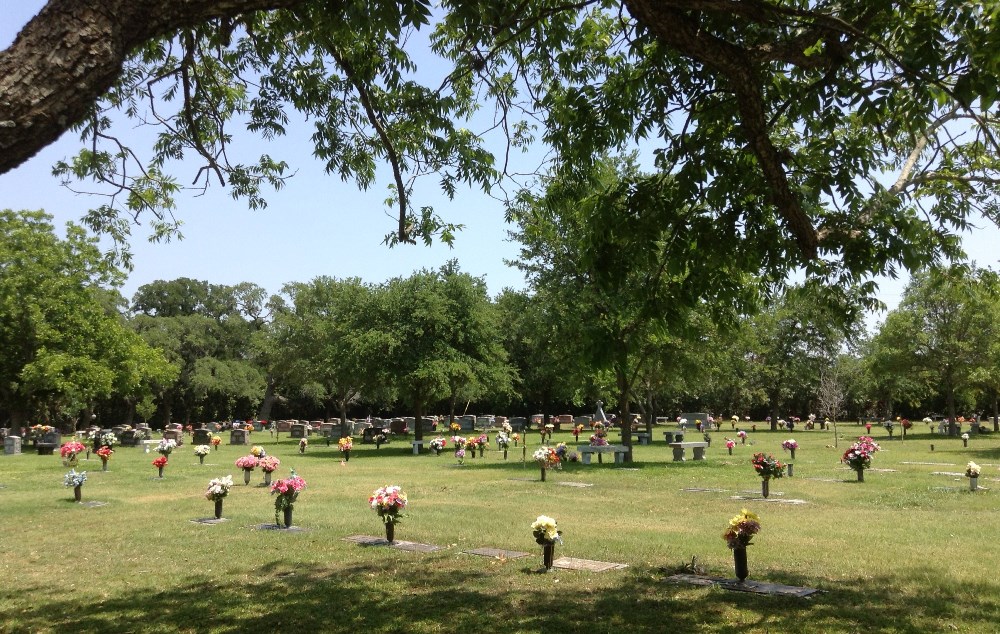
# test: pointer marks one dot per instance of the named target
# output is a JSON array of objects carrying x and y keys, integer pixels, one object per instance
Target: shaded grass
[{"x": 906, "y": 551}]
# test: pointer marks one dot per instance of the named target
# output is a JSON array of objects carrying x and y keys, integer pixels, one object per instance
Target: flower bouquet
[
  {"x": 166, "y": 446},
  {"x": 460, "y": 455},
  {"x": 287, "y": 491},
  {"x": 455, "y": 427},
  {"x": 791, "y": 446},
  {"x": 70, "y": 451},
  {"x": 303, "y": 443},
  {"x": 547, "y": 458},
  {"x": 345, "y": 445},
  {"x": 216, "y": 441},
  {"x": 257, "y": 452},
  {"x": 506, "y": 428},
  {"x": 389, "y": 502},
  {"x": 470, "y": 446},
  {"x": 218, "y": 489},
  {"x": 965, "y": 439},
  {"x": 503, "y": 443},
  {"x": 738, "y": 536},
  {"x": 248, "y": 463},
  {"x": 742, "y": 435},
  {"x": 268, "y": 464},
  {"x": 75, "y": 479},
  {"x": 576, "y": 431},
  {"x": 561, "y": 451},
  {"x": 438, "y": 444},
  {"x": 159, "y": 463},
  {"x": 767, "y": 467},
  {"x": 105, "y": 453},
  {"x": 730, "y": 443},
  {"x": 972, "y": 473},
  {"x": 482, "y": 443},
  {"x": 546, "y": 532},
  {"x": 859, "y": 455},
  {"x": 201, "y": 451}
]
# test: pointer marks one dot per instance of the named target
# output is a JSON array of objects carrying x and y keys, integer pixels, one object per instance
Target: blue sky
[{"x": 316, "y": 225}]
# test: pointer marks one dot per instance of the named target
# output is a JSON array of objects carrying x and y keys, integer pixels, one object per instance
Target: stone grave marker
[
  {"x": 239, "y": 437},
  {"x": 298, "y": 430},
  {"x": 174, "y": 434},
  {"x": 284, "y": 426},
  {"x": 201, "y": 437},
  {"x": 12, "y": 445},
  {"x": 49, "y": 442},
  {"x": 496, "y": 553},
  {"x": 128, "y": 438}
]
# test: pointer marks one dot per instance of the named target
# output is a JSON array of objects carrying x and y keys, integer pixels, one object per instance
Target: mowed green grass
[{"x": 906, "y": 551}]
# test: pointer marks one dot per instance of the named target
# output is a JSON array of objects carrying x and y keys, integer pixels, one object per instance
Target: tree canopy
[{"x": 850, "y": 139}]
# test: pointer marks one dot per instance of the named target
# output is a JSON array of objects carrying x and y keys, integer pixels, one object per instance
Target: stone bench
[
  {"x": 45, "y": 448},
  {"x": 673, "y": 436},
  {"x": 679, "y": 448},
  {"x": 586, "y": 451},
  {"x": 644, "y": 439}
]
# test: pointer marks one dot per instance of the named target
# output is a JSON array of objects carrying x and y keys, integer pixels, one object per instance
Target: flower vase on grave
[
  {"x": 161, "y": 472},
  {"x": 793, "y": 453},
  {"x": 481, "y": 450},
  {"x": 104, "y": 464},
  {"x": 790, "y": 469},
  {"x": 765, "y": 487},
  {"x": 740, "y": 562},
  {"x": 437, "y": 451},
  {"x": 548, "y": 555},
  {"x": 973, "y": 484},
  {"x": 861, "y": 475},
  {"x": 390, "y": 532},
  {"x": 288, "y": 516},
  {"x": 543, "y": 474},
  {"x": 88, "y": 454},
  {"x": 347, "y": 456},
  {"x": 246, "y": 476},
  {"x": 378, "y": 442},
  {"x": 218, "y": 509},
  {"x": 267, "y": 478},
  {"x": 504, "y": 454},
  {"x": 201, "y": 459},
  {"x": 965, "y": 442},
  {"x": 77, "y": 493}
]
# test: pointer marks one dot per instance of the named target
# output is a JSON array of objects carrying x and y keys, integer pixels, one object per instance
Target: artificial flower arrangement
[
  {"x": 506, "y": 428},
  {"x": 388, "y": 502},
  {"x": 767, "y": 466},
  {"x": 730, "y": 443},
  {"x": 438, "y": 444},
  {"x": 287, "y": 491},
  {"x": 202, "y": 450},
  {"x": 455, "y": 427},
  {"x": 598, "y": 440},
  {"x": 218, "y": 488},
  {"x": 268, "y": 464},
  {"x": 247, "y": 463},
  {"x": 303, "y": 443},
  {"x": 561, "y": 451},
  {"x": 216, "y": 441},
  {"x": 859, "y": 455},
  {"x": 503, "y": 441},
  {"x": 741, "y": 529},
  {"x": 37, "y": 431},
  {"x": 105, "y": 452},
  {"x": 742, "y": 435},
  {"x": 483, "y": 440},
  {"x": 577, "y": 430},
  {"x": 69, "y": 452},
  {"x": 345, "y": 444},
  {"x": 166, "y": 446},
  {"x": 471, "y": 443},
  {"x": 458, "y": 441},
  {"x": 460, "y": 454},
  {"x": 905, "y": 423},
  {"x": 546, "y": 531},
  {"x": 965, "y": 436},
  {"x": 108, "y": 439},
  {"x": 74, "y": 478},
  {"x": 257, "y": 451},
  {"x": 789, "y": 445},
  {"x": 547, "y": 458},
  {"x": 159, "y": 463},
  {"x": 972, "y": 470}
]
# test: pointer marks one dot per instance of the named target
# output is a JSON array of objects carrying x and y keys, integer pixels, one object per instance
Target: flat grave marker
[{"x": 756, "y": 587}]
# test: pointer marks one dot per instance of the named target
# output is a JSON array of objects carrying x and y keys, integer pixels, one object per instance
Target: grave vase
[
  {"x": 104, "y": 464},
  {"x": 481, "y": 450},
  {"x": 793, "y": 453},
  {"x": 347, "y": 456},
  {"x": 77, "y": 493},
  {"x": 390, "y": 532},
  {"x": 201, "y": 459},
  {"x": 246, "y": 476},
  {"x": 504, "y": 454},
  {"x": 861, "y": 475},
  {"x": 437, "y": 451},
  {"x": 267, "y": 478},
  {"x": 973, "y": 484},
  {"x": 288, "y": 516},
  {"x": 218, "y": 509},
  {"x": 543, "y": 474},
  {"x": 765, "y": 487},
  {"x": 740, "y": 562},
  {"x": 965, "y": 442},
  {"x": 548, "y": 555},
  {"x": 730, "y": 450},
  {"x": 161, "y": 472}
]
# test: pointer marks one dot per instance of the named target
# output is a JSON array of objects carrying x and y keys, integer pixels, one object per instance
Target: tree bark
[
  {"x": 270, "y": 396},
  {"x": 72, "y": 52}
]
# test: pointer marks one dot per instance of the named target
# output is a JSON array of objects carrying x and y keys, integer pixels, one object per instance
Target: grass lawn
[{"x": 908, "y": 550}]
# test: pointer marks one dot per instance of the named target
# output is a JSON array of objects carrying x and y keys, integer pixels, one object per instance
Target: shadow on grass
[{"x": 444, "y": 594}]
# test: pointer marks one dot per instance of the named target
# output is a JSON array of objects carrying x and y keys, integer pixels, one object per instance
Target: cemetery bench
[
  {"x": 45, "y": 448},
  {"x": 679, "y": 448},
  {"x": 644, "y": 439},
  {"x": 586, "y": 451},
  {"x": 673, "y": 436}
]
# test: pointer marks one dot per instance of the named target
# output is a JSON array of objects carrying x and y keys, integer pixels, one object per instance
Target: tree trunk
[
  {"x": 270, "y": 396},
  {"x": 344, "y": 431},
  {"x": 774, "y": 415},
  {"x": 952, "y": 427},
  {"x": 451, "y": 407},
  {"x": 996, "y": 413},
  {"x": 418, "y": 428}
]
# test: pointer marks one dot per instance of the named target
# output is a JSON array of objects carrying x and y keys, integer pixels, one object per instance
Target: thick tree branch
[{"x": 72, "y": 52}]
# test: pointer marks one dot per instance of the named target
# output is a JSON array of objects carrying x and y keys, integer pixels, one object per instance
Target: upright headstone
[
  {"x": 329, "y": 430},
  {"x": 12, "y": 445},
  {"x": 297, "y": 430},
  {"x": 175, "y": 435},
  {"x": 128, "y": 438},
  {"x": 239, "y": 437},
  {"x": 518, "y": 423},
  {"x": 201, "y": 437},
  {"x": 284, "y": 426}
]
